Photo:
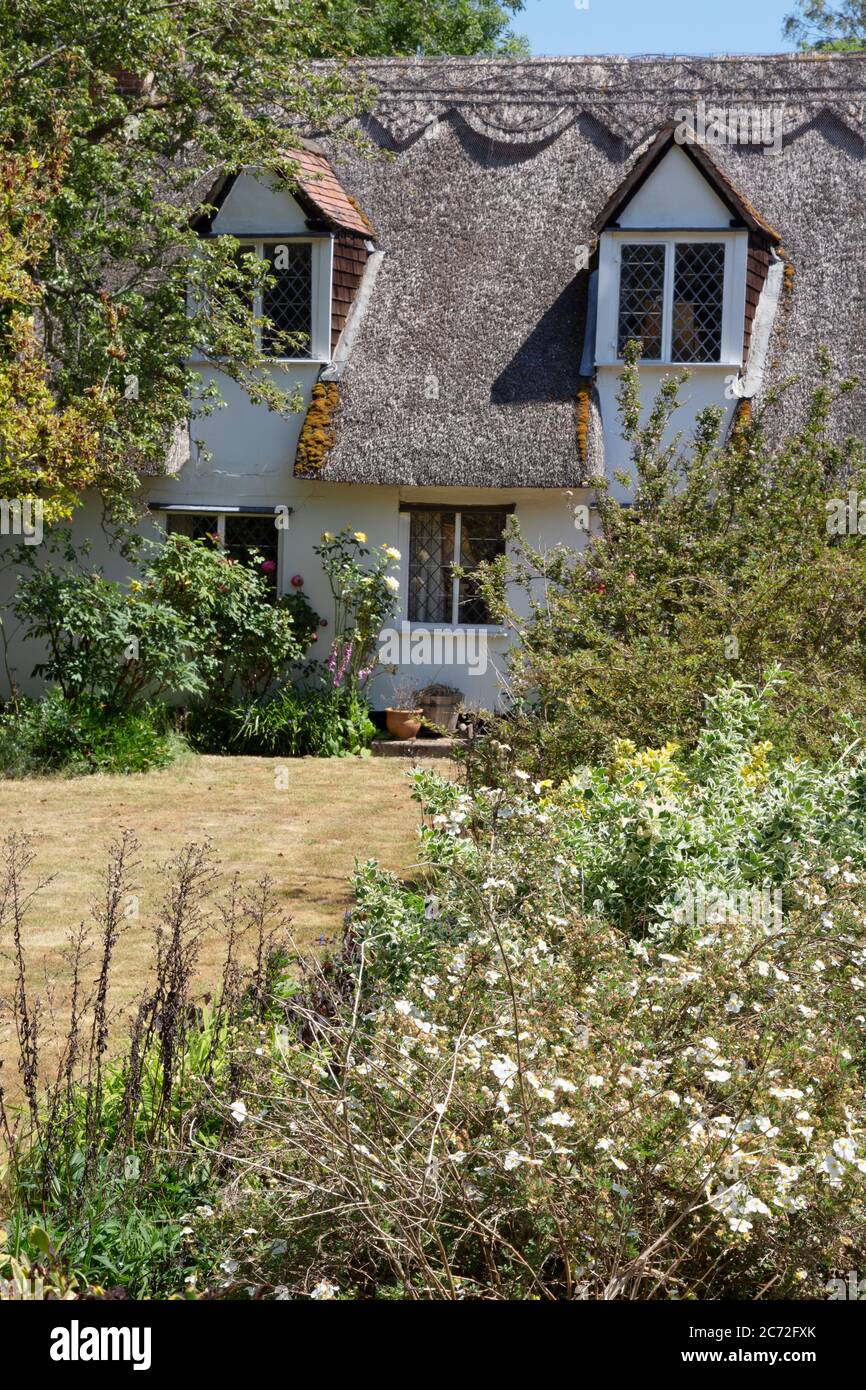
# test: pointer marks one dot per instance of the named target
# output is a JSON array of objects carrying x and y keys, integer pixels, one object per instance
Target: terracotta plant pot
[
  {"x": 403, "y": 723},
  {"x": 441, "y": 711}
]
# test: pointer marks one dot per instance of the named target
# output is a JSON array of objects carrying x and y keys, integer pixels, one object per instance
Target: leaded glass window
[
  {"x": 699, "y": 282},
  {"x": 641, "y": 298},
  {"x": 439, "y": 540},
  {"x": 288, "y": 302}
]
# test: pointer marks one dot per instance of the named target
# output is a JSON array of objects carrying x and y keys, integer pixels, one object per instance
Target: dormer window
[
  {"x": 682, "y": 259},
  {"x": 672, "y": 299}
]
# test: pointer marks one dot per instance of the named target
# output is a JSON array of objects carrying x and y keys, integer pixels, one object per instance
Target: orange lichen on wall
[
  {"x": 741, "y": 422},
  {"x": 582, "y": 422},
  {"x": 317, "y": 432}
]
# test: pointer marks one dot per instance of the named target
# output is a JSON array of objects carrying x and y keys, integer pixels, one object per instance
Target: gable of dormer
[
  {"x": 675, "y": 194},
  {"x": 682, "y": 261}
]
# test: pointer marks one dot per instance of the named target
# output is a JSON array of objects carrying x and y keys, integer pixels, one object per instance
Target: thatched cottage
[{"x": 467, "y": 294}]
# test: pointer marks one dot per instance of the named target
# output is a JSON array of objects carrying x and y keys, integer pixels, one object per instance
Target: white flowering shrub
[{"x": 575, "y": 1092}]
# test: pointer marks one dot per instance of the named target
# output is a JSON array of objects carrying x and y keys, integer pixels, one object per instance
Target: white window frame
[
  {"x": 733, "y": 294},
  {"x": 321, "y": 271},
  {"x": 405, "y": 547}
]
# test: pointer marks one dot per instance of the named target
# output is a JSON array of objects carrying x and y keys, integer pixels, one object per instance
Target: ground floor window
[
  {"x": 439, "y": 540},
  {"x": 247, "y": 537}
]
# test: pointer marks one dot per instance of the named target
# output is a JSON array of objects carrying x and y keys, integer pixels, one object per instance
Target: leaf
[{"x": 40, "y": 1240}]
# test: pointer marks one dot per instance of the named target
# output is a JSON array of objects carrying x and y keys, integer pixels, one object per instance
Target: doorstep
[{"x": 415, "y": 747}]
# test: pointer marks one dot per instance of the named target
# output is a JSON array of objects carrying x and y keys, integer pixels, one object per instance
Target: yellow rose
[
  {"x": 135, "y": 586},
  {"x": 359, "y": 536}
]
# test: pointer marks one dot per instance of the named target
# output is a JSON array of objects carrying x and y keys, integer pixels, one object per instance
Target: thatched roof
[{"x": 464, "y": 369}]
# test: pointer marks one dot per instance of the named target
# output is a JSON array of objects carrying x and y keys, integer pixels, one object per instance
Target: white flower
[
  {"x": 560, "y": 1084},
  {"x": 238, "y": 1111},
  {"x": 594, "y": 1081},
  {"x": 325, "y": 1289},
  {"x": 504, "y": 1070},
  {"x": 391, "y": 552},
  {"x": 560, "y": 1118},
  {"x": 832, "y": 1167},
  {"x": 511, "y": 1160},
  {"x": 717, "y": 1074},
  {"x": 756, "y": 1205},
  {"x": 392, "y": 583},
  {"x": 844, "y": 1149}
]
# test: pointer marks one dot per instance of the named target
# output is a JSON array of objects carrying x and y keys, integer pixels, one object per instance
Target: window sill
[
  {"x": 490, "y": 630},
  {"x": 673, "y": 366}
]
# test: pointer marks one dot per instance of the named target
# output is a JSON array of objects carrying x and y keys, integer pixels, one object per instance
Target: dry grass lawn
[{"x": 307, "y": 837}]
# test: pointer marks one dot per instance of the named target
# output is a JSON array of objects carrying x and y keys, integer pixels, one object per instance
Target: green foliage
[
  {"x": 116, "y": 252},
  {"x": 392, "y": 28},
  {"x": 399, "y": 928},
  {"x": 245, "y": 637},
  {"x": 298, "y": 723},
  {"x": 828, "y": 28},
  {"x": 365, "y": 595},
  {"x": 116, "y": 644},
  {"x": 74, "y": 736},
  {"x": 198, "y": 623},
  {"x": 722, "y": 566},
  {"x": 573, "y": 1091}
]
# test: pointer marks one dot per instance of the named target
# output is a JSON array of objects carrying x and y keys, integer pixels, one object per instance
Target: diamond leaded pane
[
  {"x": 641, "y": 299},
  {"x": 199, "y": 526},
  {"x": 288, "y": 301},
  {"x": 699, "y": 280},
  {"x": 482, "y": 538},
  {"x": 254, "y": 540},
  {"x": 431, "y": 555}
]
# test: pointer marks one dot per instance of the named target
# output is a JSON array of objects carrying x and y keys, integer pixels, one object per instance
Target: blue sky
[{"x": 654, "y": 26}]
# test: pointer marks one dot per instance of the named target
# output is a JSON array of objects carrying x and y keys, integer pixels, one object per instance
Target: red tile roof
[{"x": 318, "y": 183}]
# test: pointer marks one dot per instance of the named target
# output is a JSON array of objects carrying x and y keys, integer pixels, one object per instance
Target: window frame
[
  {"x": 406, "y": 511},
  {"x": 321, "y": 276},
  {"x": 735, "y": 242},
  {"x": 238, "y": 512}
]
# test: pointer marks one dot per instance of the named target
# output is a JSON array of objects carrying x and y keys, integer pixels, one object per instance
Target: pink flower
[
  {"x": 297, "y": 581},
  {"x": 323, "y": 622},
  {"x": 268, "y": 566}
]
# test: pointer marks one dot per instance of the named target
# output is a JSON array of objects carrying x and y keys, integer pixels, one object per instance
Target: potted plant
[
  {"x": 404, "y": 717},
  {"x": 440, "y": 704}
]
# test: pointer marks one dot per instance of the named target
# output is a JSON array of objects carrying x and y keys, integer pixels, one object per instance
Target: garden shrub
[
  {"x": 724, "y": 563},
  {"x": 324, "y": 722},
  {"x": 571, "y": 1089},
  {"x": 246, "y": 637},
  {"x": 81, "y": 736},
  {"x": 109, "y": 643}
]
